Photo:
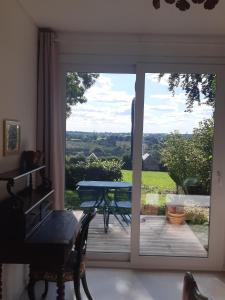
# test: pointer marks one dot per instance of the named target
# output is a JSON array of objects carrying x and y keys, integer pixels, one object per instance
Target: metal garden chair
[
  {"x": 89, "y": 198},
  {"x": 121, "y": 203}
]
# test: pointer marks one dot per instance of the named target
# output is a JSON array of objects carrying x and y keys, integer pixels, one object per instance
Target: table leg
[{"x": 106, "y": 220}]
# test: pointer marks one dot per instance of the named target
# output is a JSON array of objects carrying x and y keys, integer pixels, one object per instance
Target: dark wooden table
[{"x": 51, "y": 243}]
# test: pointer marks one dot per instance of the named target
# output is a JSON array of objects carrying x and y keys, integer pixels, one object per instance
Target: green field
[
  {"x": 153, "y": 182},
  {"x": 160, "y": 181}
]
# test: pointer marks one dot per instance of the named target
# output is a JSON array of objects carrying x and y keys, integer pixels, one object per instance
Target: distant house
[
  {"x": 149, "y": 163},
  {"x": 92, "y": 156}
]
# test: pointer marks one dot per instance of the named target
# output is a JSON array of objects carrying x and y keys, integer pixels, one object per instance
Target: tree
[
  {"x": 194, "y": 85},
  {"x": 173, "y": 156},
  {"x": 127, "y": 162},
  {"x": 189, "y": 159},
  {"x": 203, "y": 141},
  {"x": 76, "y": 85}
]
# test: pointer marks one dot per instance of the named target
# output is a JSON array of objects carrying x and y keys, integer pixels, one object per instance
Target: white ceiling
[{"x": 125, "y": 16}]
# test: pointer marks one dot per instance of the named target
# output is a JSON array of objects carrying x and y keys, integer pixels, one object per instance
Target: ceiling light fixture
[{"x": 185, "y": 4}]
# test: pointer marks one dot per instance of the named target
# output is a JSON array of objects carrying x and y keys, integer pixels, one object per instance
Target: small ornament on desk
[{"x": 30, "y": 160}]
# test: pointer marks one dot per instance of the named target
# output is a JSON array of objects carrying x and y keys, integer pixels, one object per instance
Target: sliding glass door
[
  {"x": 98, "y": 162},
  {"x": 177, "y": 161},
  {"x": 166, "y": 139}
]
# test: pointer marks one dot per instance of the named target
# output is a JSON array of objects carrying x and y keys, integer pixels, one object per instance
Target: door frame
[
  {"x": 215, "y": 259},
  {"x": 96, "y": 258}
]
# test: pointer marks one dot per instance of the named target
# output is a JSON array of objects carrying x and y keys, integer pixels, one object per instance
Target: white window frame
[{"x": 215, "y": 261}]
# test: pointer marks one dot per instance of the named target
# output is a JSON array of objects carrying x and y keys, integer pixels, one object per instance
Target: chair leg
[
  {"x": 46, "y": 290},
  {"x": 76, "y": 282},
  {"x": 60, "y": 285},
  {"x": 0, "y": 281},
  {"x": 30, "y": 289},
  {"x": 85, "y": 286}
]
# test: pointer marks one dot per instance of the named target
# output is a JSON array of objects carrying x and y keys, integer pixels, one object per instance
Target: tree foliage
[
  {"x": 76, "y": 85},
  {"x": 189, "y": 159},
  {"x": 92, "y": 170},
  {"x": 196, "y": 87}
]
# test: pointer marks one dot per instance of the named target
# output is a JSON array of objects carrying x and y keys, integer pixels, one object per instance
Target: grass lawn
[
  {"x": 72, "y": 200},
  {"x": 153, "y": 180},
  {"x": 153, "y": 183}
]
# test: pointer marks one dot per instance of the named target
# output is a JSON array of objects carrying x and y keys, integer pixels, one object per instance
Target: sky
[{"x": 108, "y": 107}]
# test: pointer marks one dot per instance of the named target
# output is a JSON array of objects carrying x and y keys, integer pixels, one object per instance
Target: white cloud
[
  {"x": 154, "y": 77},
  {"x": 108, "y": 109},
  {"x": 177, "y": 98},
  {"x": 103, "y": 91}
]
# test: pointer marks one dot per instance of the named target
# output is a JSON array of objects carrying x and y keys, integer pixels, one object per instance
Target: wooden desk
[{"x": 49, "y": 244}]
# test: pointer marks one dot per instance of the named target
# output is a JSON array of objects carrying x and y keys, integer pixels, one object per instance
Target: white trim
[
  {"x": 137, "y": 164},
  {"x": 137, "y": 39},
  {"x": 62, "y": 96},
  {"x": 98, "y": 68},
  {"x": 103, "y": 49}
]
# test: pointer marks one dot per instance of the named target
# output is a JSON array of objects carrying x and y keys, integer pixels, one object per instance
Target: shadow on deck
[{"x": 158, "y": 237}]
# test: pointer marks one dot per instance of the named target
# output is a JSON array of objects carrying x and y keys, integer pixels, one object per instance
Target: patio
[{"x": 158, "y": 237}]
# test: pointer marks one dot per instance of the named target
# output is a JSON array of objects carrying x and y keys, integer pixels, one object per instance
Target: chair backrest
[
  {"x": 190, "y": 289},
  {"x": 81, "y": 239},
  {"x": 88, "y": 194},
  {"x": 123, "y": 194}
]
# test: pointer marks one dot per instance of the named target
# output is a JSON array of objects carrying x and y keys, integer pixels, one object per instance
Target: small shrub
[
  {"x": 197, "y": 215},
  {"x": 92, "y": 170}
]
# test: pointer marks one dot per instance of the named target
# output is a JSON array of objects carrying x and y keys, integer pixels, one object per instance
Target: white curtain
[{"x": 50, "y": 114}]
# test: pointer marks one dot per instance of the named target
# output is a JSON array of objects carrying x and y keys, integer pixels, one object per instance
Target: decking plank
[{"x": 158, "y": 237}]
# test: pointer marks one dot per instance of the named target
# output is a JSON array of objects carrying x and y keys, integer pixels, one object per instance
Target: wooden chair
[
  {"x": 190, "y": 289},
  {"x": 74, "y": 269}
]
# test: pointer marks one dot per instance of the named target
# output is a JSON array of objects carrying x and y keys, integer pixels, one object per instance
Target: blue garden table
[{"x": 104, "y": 187}]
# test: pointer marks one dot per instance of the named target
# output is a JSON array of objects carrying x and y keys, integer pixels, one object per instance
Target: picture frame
[{"x": 11, "y": 134}]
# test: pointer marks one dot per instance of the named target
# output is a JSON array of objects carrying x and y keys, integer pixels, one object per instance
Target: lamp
[{"x": 185, "y": 4}]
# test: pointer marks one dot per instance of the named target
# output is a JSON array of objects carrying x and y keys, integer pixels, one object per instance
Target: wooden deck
[{"x": 158, "y": 237}]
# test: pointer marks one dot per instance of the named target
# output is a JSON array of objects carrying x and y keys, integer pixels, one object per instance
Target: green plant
[
  {"x": 197, "y": 215},
  {"x": 92, "y": 170}
]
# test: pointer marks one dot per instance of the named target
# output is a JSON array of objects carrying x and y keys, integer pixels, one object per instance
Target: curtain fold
[{"x": 50, "y": 114}]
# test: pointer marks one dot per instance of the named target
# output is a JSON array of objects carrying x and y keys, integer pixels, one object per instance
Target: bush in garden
[
  {"x": 197, "y": 215},
  {"x": 92, "y": 170}
]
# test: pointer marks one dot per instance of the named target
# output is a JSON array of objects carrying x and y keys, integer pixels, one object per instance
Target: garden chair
[
  {"x": 74, "y": 269},
  {"x": 190, "y": 289},
  {"x": 89, "y": 198},
  {"x": 121, "y": 203}
]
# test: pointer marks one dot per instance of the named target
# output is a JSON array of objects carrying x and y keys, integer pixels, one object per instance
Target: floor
[
  {"x": 158, "y": 237},
  {"x": 111, "y": 284}
]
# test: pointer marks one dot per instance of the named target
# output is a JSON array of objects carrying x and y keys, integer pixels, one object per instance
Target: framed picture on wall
[{"x": 11, "y": 135}]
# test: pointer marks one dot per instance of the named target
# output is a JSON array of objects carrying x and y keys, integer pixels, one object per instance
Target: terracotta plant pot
[
  {"x": 176, "y": 218},
  {"x": 149, "y": 209}
]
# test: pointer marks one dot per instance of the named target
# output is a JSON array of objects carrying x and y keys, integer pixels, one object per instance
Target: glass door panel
[
  {"x": 98, "y": 148},
  {"x": 177, "y": 156}
]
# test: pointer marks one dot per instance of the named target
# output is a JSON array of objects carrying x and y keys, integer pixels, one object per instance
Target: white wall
[{"x": 18, "y": 44}]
